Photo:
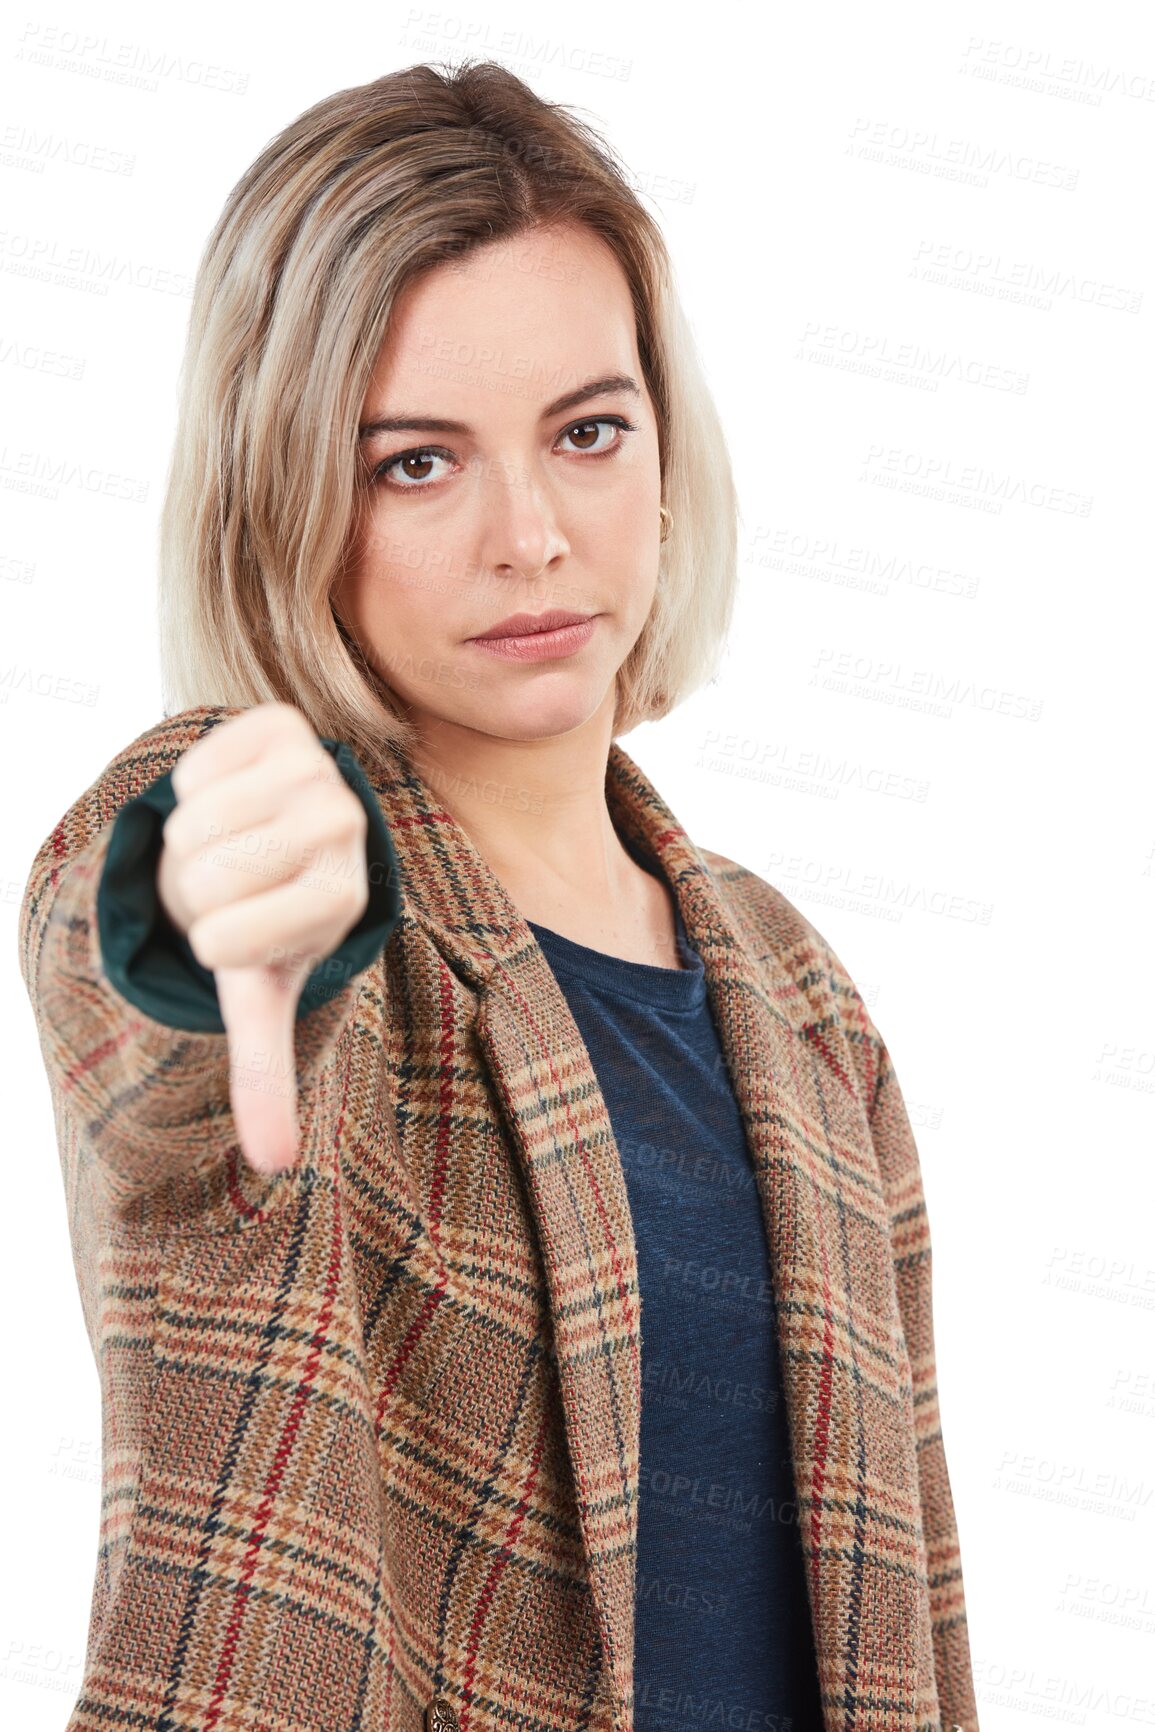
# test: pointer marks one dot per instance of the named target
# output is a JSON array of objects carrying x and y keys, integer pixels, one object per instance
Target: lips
[{"x": 527, "y": 624}]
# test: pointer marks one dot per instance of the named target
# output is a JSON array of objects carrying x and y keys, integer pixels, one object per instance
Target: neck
[{"x": 535, "y": 810}]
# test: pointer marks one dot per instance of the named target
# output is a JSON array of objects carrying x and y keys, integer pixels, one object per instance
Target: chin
[{"x": 540, "y": 716}]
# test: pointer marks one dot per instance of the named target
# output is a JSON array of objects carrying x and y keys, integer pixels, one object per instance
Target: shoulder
[
  {"x": 782, "y": 938},
  {"x": 86, "y": 824},
  {"x": 765, "y": 915},
  {"x": 155, "y": 751},
  {"x": 152, "y": 754}
]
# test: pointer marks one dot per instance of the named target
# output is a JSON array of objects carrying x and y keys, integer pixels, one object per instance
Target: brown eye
[
  {"x": 587, "y": 428},
  {"x": 420, "y": 462},
  {"x": 585, "y": 434},
  {"x": 398, "y": 472}
]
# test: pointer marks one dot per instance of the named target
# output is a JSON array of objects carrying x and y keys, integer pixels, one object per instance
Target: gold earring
[{"x": 667, "y": 521}]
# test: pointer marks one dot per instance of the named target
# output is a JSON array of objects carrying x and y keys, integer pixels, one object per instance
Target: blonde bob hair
[{"x": 340, "y": 212}]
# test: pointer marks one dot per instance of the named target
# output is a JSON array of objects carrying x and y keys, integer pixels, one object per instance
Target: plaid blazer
[{"x": 370, "y": 1426}]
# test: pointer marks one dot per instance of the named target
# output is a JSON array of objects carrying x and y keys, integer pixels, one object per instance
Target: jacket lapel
[{"x": 561, "y": 1134}]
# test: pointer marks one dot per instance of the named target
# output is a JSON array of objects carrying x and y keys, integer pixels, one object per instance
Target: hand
[{"x": 263, "y": 868}]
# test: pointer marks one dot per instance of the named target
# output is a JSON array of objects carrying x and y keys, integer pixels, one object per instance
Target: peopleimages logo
[{"x": 127, "y": 63}]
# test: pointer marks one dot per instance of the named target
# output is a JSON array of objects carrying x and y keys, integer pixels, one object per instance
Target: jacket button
[{"x": 440, "y": 1716}]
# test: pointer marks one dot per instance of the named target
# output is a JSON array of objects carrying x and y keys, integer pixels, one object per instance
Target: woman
[{"x": 406, "y": 1054}]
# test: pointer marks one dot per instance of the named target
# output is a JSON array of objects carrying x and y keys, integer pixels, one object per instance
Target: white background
[{"x": 915, "y": 247}]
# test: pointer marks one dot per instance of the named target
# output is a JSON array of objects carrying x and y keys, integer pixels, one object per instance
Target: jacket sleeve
[
  {"x": 898, "y": 1162},
  {"x": 140, "y": 1095}
]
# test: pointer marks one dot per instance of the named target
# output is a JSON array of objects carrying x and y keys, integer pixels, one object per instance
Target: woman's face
[{"x": 544, "y": 495}]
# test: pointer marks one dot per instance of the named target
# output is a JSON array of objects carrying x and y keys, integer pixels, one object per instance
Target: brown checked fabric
[{"x": 370, "y": 1427}]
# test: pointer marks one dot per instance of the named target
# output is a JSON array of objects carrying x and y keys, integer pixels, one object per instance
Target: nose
[{"x": 521, "y": 531}]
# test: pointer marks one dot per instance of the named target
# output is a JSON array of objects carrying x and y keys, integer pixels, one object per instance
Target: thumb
[{"x": 259, "y": 1008}]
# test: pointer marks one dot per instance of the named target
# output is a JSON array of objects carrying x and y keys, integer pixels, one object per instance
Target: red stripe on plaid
[{"x": 280, "y": 1461}]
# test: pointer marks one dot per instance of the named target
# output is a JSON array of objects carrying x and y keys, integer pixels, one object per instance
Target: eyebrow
[{"x": 435, "y": 424}]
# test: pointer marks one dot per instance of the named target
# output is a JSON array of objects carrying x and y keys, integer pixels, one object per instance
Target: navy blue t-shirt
[{"x": 723, "y": 1636}]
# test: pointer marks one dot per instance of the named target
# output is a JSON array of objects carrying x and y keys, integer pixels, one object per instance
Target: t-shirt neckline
[{"x": 668, "y": 988}]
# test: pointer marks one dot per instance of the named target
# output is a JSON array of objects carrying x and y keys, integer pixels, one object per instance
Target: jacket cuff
[{"x": 152, "y": 965}]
